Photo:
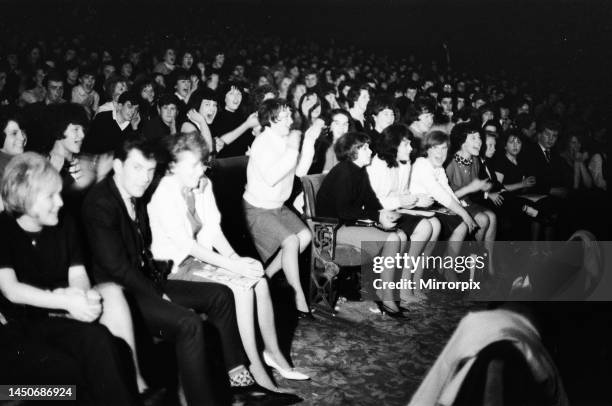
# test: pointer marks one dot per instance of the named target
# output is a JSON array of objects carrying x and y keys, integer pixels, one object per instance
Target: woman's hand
[
  {"x": 252, "y": 120},
  {"x": 424, "y": 200},
  {"x": 529, "y": 181},
  {"x": 496, "y": 198},
  {"x": 388, "y": 218},
  {"x": 82, "y": 306},
  {"x": 408, "y": 201},
  {"x": 469, "y": 221},
  {"x": 248, "y": 267},
  {"x": 196, "y": 117}
]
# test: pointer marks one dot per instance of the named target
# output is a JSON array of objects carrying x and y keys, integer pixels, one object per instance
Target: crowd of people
[{"x": 109, "y": 219}]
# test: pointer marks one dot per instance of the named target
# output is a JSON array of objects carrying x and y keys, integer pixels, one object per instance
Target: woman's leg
[
  {"x": 288, "y": 259},
  {"x": 454, "y": 248},
  {"x": 489, "y": 238},
  {"x": 390, "y": 248},
  {"x": 418, "y": 242},
  {"x": 267, "y": 326},
  {"x": 118, "y": 319},
  {"x": 245, "y": 317}
]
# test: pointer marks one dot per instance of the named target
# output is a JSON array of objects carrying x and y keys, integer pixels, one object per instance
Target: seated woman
[
  {"x": 185, "y": 227},
  {"x": 12, "y": 139},
  {"x": 47, "y": 299},
  {"x": 575, "y": 160},
  {"x": 428, "y": 177},
  {"x": 68, "y": 129},
  {"x": 389, "y": 175},
  {"x": 346, "y": 194},
  {"x": 463, "y": 172},
  {"x": 513, "y": 176}
]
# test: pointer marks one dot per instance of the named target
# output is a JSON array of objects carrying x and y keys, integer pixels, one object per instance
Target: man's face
[
  {"x": 411, "y": 93},
  {"x": 168, "y": 113},
  {"x": 219, "y": 59},
  {"x": 339, "y": 125},
  {"x": 127, "y": 110},
  {"x": 73, "y": 138},
  {"x": 88, "y": 82},
  {"x": 437, "y": 155},
  {"x": 188, "y": 168},
  {"x": 311, "y": 80},
  {"x": 548, "y": 138},
  {"x": 233, "y": 98},
  {"x": 183, "y": 86},
  {"x": 55, "y": 91},
  {"x": 208, "y": 109},
  {"x": 108, "y": 70},
  {"x": 135, "y": 174},
  {"x": 126, "y": 70},
  {"x": 447, "y": 104}
]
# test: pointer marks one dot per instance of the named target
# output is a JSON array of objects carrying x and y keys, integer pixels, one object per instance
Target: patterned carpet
[{"x": 363, "y": 358}]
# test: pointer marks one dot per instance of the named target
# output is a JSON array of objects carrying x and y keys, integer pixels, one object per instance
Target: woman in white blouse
[
  {"x": 185, "y": 227},
  {"x": 429, "y": 177},
  {"x": 389, "y": 175}
]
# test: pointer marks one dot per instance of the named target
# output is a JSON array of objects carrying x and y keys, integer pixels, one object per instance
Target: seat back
[{"x": 311, "y": 185}]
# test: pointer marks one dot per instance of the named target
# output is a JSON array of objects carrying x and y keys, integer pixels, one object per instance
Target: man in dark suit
[
  {"x": 119, "y": 236},
  {"x": 545, "y": 163}
]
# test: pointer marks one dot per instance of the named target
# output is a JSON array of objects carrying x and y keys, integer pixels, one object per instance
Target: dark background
[{"x": 564, "y": 44}]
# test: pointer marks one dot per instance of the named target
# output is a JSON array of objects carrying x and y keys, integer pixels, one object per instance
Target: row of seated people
[
  {"x": 349, "y": 192},
  {"x": 177, "y": 264}
]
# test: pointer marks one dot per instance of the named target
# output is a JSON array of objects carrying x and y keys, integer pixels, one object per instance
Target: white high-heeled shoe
[{"x": 285, "y": 373}]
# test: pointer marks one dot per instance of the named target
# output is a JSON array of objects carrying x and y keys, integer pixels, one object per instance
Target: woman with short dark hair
[
  {"x": 346, "y": 194},
  {"x": 12, "y": 139}
]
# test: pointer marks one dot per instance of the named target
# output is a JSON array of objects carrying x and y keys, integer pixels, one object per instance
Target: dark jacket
[
  {"x": 548, "y": 174},
  {"x": 105, "y": 135},
  {"x": 113, "y": 238}
]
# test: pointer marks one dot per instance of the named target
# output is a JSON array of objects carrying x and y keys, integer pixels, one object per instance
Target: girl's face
[
  {"x": 47, "y": 203},
  {"x": 15, "y": 139},
  {"x": 437, "y": 154},
  {"x": 513, "y": 146},
  {"x": 364, "y": 155},
  {"x": 73, "y": 138},
  {"x": 403, "y": 150},
  {"x": 472, "y": 144},
  {"x": 187, "y": 60},
  {"x": 490, "y": 147},
  {"x": 384, "y": 118},
  {"x": 575, "y": 145},
  {"x": 148, "y": 93},
  {"x": 339, "y": 125},
  {"x": 426, "y": 119}
]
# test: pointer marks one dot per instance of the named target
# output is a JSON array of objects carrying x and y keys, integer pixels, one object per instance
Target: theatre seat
[{"x": 327, "y": 257}]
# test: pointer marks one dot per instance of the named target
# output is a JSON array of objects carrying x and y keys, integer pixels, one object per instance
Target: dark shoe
[
  {"x": 305, "y": 315},
  {"x": 399, "y": 314},
  {"x": 153, "y": 396},
  {"x": 258, "y": 395}
]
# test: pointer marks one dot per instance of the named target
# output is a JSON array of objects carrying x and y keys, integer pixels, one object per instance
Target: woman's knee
[
  {"x": 492, "y": 217},
  {"x": 304, "y": 236},
  {"x": 292, "y": 242},
  {"x": 482, "y": 220},
  {"x": 422, "y": 231}
]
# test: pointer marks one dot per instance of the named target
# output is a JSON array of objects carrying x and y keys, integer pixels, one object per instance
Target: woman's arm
[
  {"x": 249, "y": 123},
  {"x": 77, "y": 278},
  {"x": 595, "y": 167}
]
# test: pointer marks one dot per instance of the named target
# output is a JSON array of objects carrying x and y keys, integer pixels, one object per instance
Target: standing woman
[
  {"x": 47, "y": 298},
  {"x": 185, "y": 227},
  {"x": 389, "y": 175}
]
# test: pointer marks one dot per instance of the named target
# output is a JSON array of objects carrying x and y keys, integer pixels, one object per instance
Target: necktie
[
  {"x": 192, "y": 215},
  {"x": 547, "y": 154}
]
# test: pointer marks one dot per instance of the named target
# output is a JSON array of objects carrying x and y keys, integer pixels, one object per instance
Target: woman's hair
[
  {"x": 346, "y": 147},
  {"x": 4, "y": 121},
  {"x": 389, "y": 141},
  {"x": 192, "y": 142},
  {"x": 433, "y": 139},
  {"x": 507, "y": 136},
  {"x": 422, "y": 105},
  {"x": 64, "y": 115},
  {"x": 459, "y": 134},
  {"x": 24, "y": 177}
]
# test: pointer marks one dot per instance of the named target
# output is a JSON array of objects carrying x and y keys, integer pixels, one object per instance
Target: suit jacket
[
  {"x": 548, "y": 174},
  {"x": 113, "y": 237}
]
